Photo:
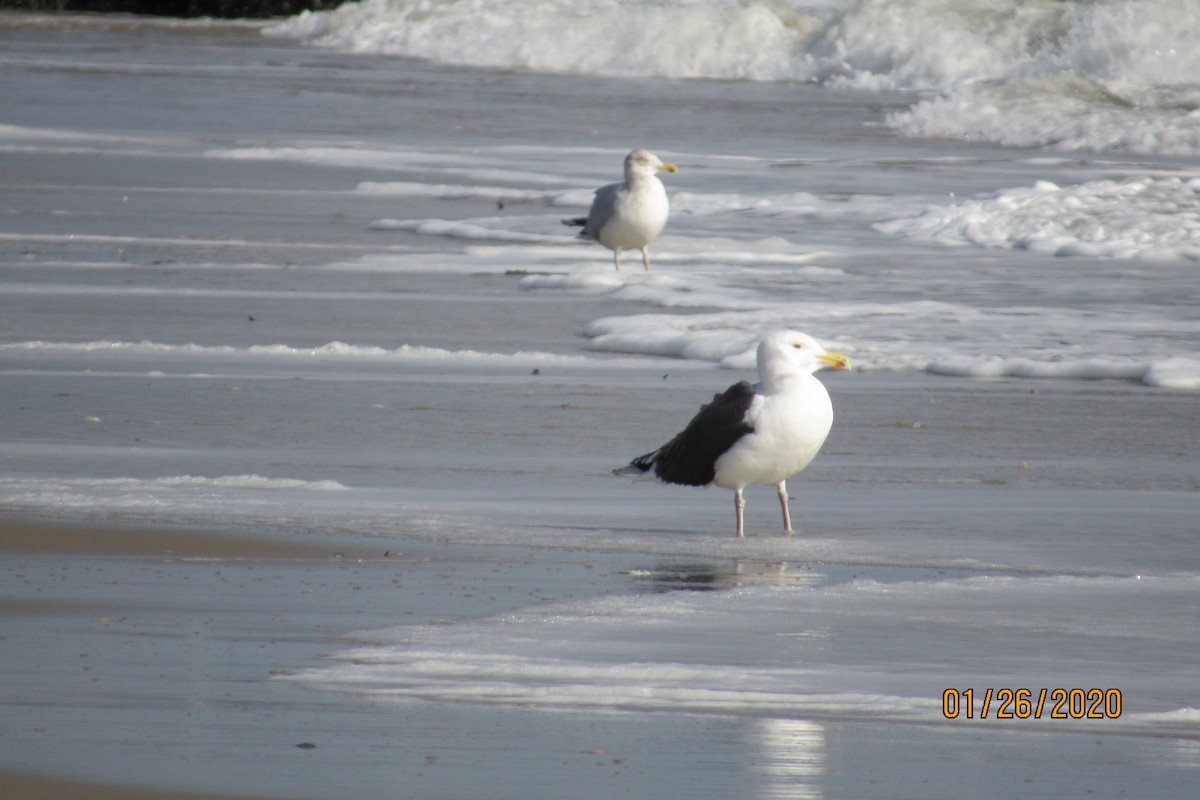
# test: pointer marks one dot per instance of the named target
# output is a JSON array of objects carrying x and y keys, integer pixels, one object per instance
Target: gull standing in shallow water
[
  {"x": 628, "y": 215},
  {"x": 761, "y": 434}
]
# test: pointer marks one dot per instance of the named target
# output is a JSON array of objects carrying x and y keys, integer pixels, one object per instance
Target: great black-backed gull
[
  {"x": 628, "y": 215},
  {"x": 759, "y": 434}
]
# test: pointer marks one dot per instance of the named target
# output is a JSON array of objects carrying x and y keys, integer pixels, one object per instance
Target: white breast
[
  {"x": 639, "y": 214},
  {"x": 789, "y": 429}
]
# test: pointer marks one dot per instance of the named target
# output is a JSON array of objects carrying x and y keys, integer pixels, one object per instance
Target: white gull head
[{"x": 785, "y": 355}]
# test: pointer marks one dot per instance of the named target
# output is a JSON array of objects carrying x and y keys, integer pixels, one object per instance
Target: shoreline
[
  {"x": 83, "y": 602},
  {"x": 20, "y": 535},
  {"x": 141, "y": 661},
  {"x": 76, "y": 619},
  {"x": 39, "y": 787}
]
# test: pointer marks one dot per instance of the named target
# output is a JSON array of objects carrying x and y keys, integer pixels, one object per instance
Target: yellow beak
[
  {"x": 835, "y": 360},
  {"x": 668, "y": 167}
]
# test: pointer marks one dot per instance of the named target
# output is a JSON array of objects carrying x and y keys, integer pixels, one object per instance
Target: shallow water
[{"x": 247, "y": 282}]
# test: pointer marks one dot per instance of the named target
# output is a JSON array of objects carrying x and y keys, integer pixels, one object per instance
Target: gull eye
[{"x": 798, "y": 345}]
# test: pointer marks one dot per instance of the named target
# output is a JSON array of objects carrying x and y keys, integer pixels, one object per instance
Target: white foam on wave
[
  {"x": 333, "y": 350},
  {"x": 728, "y": 337},
  {"x": 450, "y": 162},
  {"x": 783, "y": 205},
  {"x": 1144, "y": 217},
  {"x": 701, "y": 652},
  {"x": 80, "y": 21},
  {"x": 986, "y": 327},
  {"x": 168, "y": 497},
  {"x": 631, "y": 39},
  {"x": 464, "y": 229},
  {"x": 1174, "y": 373},
  {"x": 455, "y": 192},
  {"x": 617, "y": 654},
  {"x": 486, "y": 173},
  {"x": 871, "y": 335},
  {"x": 514, "y": 256},
  {"x": 107, "y": 240},
  {"x": 1169, "y": 373},
  {"x": 560, "y": 684},
  {"x": 1100, "y": 76},
  {"x": 1112, "y": 75},
  {"x": 25, "y": 134},
  {"x": 1181, "y": 717},
  {"x": 255, "y": 482},
  {"x": 669, "y": 291}
]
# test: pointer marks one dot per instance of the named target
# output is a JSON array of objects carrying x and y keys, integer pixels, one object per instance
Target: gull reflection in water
[
  {"x": 791, "y": 757},
  {"x": 704, "y": 576}
]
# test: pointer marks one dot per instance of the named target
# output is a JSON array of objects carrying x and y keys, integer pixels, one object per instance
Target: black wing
[{"x": 690, "y": 457}]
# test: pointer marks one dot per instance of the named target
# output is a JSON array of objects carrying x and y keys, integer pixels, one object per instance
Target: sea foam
[
  {"x": 700, "y": 652},
  {"x": 1071, "y": 75},
  {"x": 1144, "y": 217},
  {"x": 330, "y": 351}
]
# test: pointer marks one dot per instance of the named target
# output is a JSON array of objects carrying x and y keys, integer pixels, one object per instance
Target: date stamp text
[{"x": 1032, "y": 703}]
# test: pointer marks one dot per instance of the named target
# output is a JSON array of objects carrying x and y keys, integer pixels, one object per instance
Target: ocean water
[{"x": 310, "y": 275}]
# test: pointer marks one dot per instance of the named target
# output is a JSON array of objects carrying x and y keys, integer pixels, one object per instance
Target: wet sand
[
  {"x": 30, "y": 787},
  {"x": 56, "y": 538},
  {"x": 150, "y": 656},
  {"x": 42, "y": 615},
  {"x": 138, "y": 661},
  {"x": 144, "y": 661}
]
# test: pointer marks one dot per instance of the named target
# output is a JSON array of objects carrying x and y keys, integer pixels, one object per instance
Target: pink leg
[
  {"x": 739, "y": 504},
  {"x": 646, "y": 258},
  {"x": 783, "y": 503},
  {"x": 617, "y": 259}
]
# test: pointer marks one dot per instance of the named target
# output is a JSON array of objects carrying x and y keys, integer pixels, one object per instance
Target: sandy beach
[
  {"x": 148, "y": 653},
  {"x": 159, "y": 657},
  {"x": 38, "y": 788},
  {"x": 77, "y": 616}
]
